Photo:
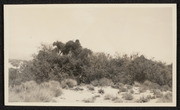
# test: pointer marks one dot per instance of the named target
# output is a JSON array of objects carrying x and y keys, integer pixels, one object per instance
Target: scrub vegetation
[{"x": 61, "y": 67}]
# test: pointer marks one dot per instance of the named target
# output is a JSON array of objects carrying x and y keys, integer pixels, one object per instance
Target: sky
[{"x": 123, "y": 29}]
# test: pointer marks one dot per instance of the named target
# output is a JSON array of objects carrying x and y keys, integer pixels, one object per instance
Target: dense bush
[
  {"x": 141, "y": 69},
  {"x": 70, "y": 60}
]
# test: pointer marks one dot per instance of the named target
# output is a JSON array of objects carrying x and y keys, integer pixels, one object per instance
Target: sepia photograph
[{"x": 90, "y": 55}]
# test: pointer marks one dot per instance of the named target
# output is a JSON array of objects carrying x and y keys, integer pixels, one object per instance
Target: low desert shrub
[
  {"x": 108, "y": 97},
  {"x": 157, "y": 93},
  {"x": 143, "y": 99},
  {"x": 151, "y": 85},
  {"x": 53, "y": 86},
  {"x": 90, "y": 87},
  {"x": 97, "y": 96},
  {"x": 166, "y": 98},
  {"x": 102, "y": 82},
  {"x": 117, "y": 85},
  {"x": 33, "y": 92},
  {"x": 95, "y": 83},
  {"x": 101, "y": 91},
  {"x": 118, "y": 100},
  {"x": 14, "y": 77},
  {"x": 68, "y": 83},
  {"x": 78, "y": 89},
  {"x": 129, "y": 87},
  {"x": 122, "y": 89},
  {"x": 149, "y": 97},
  {"x": 105, "y": 82},
  {"x": 127, "y": 96},
  {"x": 89, "y": 100},
  {"x": 131, "y": 91},
  {"x": 143, "y": 88},
  {"x": 137, "y": 84},
  {"x": 166, "y": 88},
  {"x": 29, "y": 85}
]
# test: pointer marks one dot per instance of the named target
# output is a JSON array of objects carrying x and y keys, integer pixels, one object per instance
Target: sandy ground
[{"x": 70, "y": 95}]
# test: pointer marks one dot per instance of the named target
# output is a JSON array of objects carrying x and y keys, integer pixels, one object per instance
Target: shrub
[
  {"x": 127, "y": 96},
  {"x": 136, "y": 84},
  {"x": 147, "y": 83},
  {"x": 95, "y": 83},
  {"x": 151, "y": 85},
  {"x": 53, "y": 86},
  {"x": 50, "y": 84},
  {"x": 33, "y": 92},
  {"x": 166, "y": 98},
  {"x": 68, "y": 83},
  {"x": 131, "y": 91},
  {"x": 97, "y": 96},
  {"x": 102, "y": 82},
  {"x": 143, "y": 88},
  {"x": 157, "y": 93},
  {"x": 78, "y": 89},
  {"x": 105, "y": 82},
  {"x": 101, "y": 91},
  {"x": 90, "y": 87},
  {"x": 122, "y": 89},
  {"x": 15, "y": 78},
  {"x": 129, "y": 87},
  {"x": 29, "y": 85},
  {"x": 143, "y": 99},
  {"x": 109, "y": 97},
  {"x": 89, "y": 100},
  {"x": 118, "y": 100},
  {"x": 117, "y": 85},
  {"x": 166, "y": 88}
]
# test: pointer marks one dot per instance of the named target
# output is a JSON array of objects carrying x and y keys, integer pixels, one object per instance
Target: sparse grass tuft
[{"x": 33, "y": 92}]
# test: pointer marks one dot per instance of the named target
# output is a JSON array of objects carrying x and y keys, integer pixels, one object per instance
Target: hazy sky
[{"x": 102, "y": 28}]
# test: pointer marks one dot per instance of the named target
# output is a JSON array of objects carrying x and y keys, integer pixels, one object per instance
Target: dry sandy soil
[{"x": 111, "y": 95}]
